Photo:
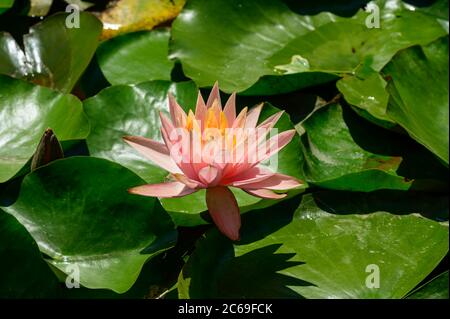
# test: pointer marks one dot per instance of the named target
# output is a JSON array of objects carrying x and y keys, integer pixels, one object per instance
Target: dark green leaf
[
  {"x": 5, "y": 5},
  {"x": 237, "y": 42},
  {"x": 132, "y": 110},
  {"x": 437, "y": 288},
  {"x": 136, "y": 57},
  {"x": 26, "y": 111},
  {"x": 344, "y": 152},
  {"x": 79, "y": 212},
  {"x": 419, "y": 94},
  {"x": 23, "y": 272},
  {"x": 327, "y": 248},
  {"x": 55, "y": 55}
]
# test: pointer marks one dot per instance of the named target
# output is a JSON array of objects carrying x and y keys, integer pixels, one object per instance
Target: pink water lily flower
[{"x": 214, "y": 149}]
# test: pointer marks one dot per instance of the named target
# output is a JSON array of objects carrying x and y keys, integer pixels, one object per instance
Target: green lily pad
[
  {"x": 54, "y": 55},
  {"x": 5, "y": 5},
  {"x": 419, "y": 94},
  {"x": 218, "y": 40},
  {"x": 366, "y": 88},
  {"x": 24, "y": 273},
  {"x": 80, "y": 214},
  {"x": 132, "y": 110},
  {"x": 332, "y": 246},
  {"x": 367, "y": 91},
  {"x": 342, "y": 151},
  {"x": 26, "y": 110},
  {"x": 437, "y": 288},
  {"x": 136, "y": 57}
]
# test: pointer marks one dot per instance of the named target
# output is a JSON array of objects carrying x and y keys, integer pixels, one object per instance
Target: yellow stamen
[
  {"x": 211, "y": 120},
  {"x": 190, "y": 121},
  {"x": 223, "y": 123}
]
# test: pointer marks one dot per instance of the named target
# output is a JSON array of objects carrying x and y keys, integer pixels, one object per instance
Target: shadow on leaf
[{"x": 255, "y": 275}]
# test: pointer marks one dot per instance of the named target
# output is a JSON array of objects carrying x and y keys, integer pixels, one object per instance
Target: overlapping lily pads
[
  {"x": 426, "y": 115},
  {"x": 343, "y": 151},
  {"x": 52, "y": 53},
  {"x": 136, "y": 57},
  {"x": 24, "y": 274},
  {"x": 26, "y": 110},
  {"x": 80, "y": 214},
  {"x": 333, "y": 246},
  {"x": 437, "y": 288},
  {"x": 217, "y": 40}
]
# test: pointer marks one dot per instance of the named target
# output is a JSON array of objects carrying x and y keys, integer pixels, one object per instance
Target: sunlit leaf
[
  {"x": 80, "y": 214},
  {"x": 136, "y": 57},
  {"x": 26, "y": 111},
  {"x": 329, "y": 247},
  {"x": 217, "y": 40},
  {"x": 419, "y": 94},
  {"x": 5, "y": 5},
  {"x": 54, "y": 55},
  {"x": 343, "y": 151},
  {"x": 437, "y": 288},
  {"x": 24, "y": 273},
  {"x": 39, "y": 8}
]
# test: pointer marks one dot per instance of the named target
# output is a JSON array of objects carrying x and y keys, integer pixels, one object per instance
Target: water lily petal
[
  {"x": 166, "y": 123},
  {"x": 240, "y": 120},
  {"x": 200, "y": 110},
  {"x": 209, "y": 175},
  {"x": 230, "y": 109},
  {"x": 277, "y": 142},
  {"x": 264, "y": 193},
  {"x": 214, "y": 95},
  {"x": 253, "y": 116},
  {"x": 163, "y": 190},
  {"x": 248, "y": 176},
  {"x": 275, "y": 182},
  {"x": 157, "y": 152},
  {"x": 271, "y": 121},
  {"x": 178, "y": 115},
  {"x": 188, "y": 181},
  {"x": 224, "y": 210}
]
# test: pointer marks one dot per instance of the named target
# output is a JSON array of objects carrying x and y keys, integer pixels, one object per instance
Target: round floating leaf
[
  {"x": 23, "y": 272},
  {"x": 56, "y": 51},
  {"x": 419, "y": 94},
  {"x": 79, "y": 212},
  {"x": 136, "y": 57},
  {"x": 132, "y": 110},
  {"x": 333, "y": 246},
  {"x": 217, "y": 40},
  {"x": 437, "y": 288},
  {"x": 366, "y": 88},
  {"x": 26, "y": 111},
  {"x": 344, "y": 152}
]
